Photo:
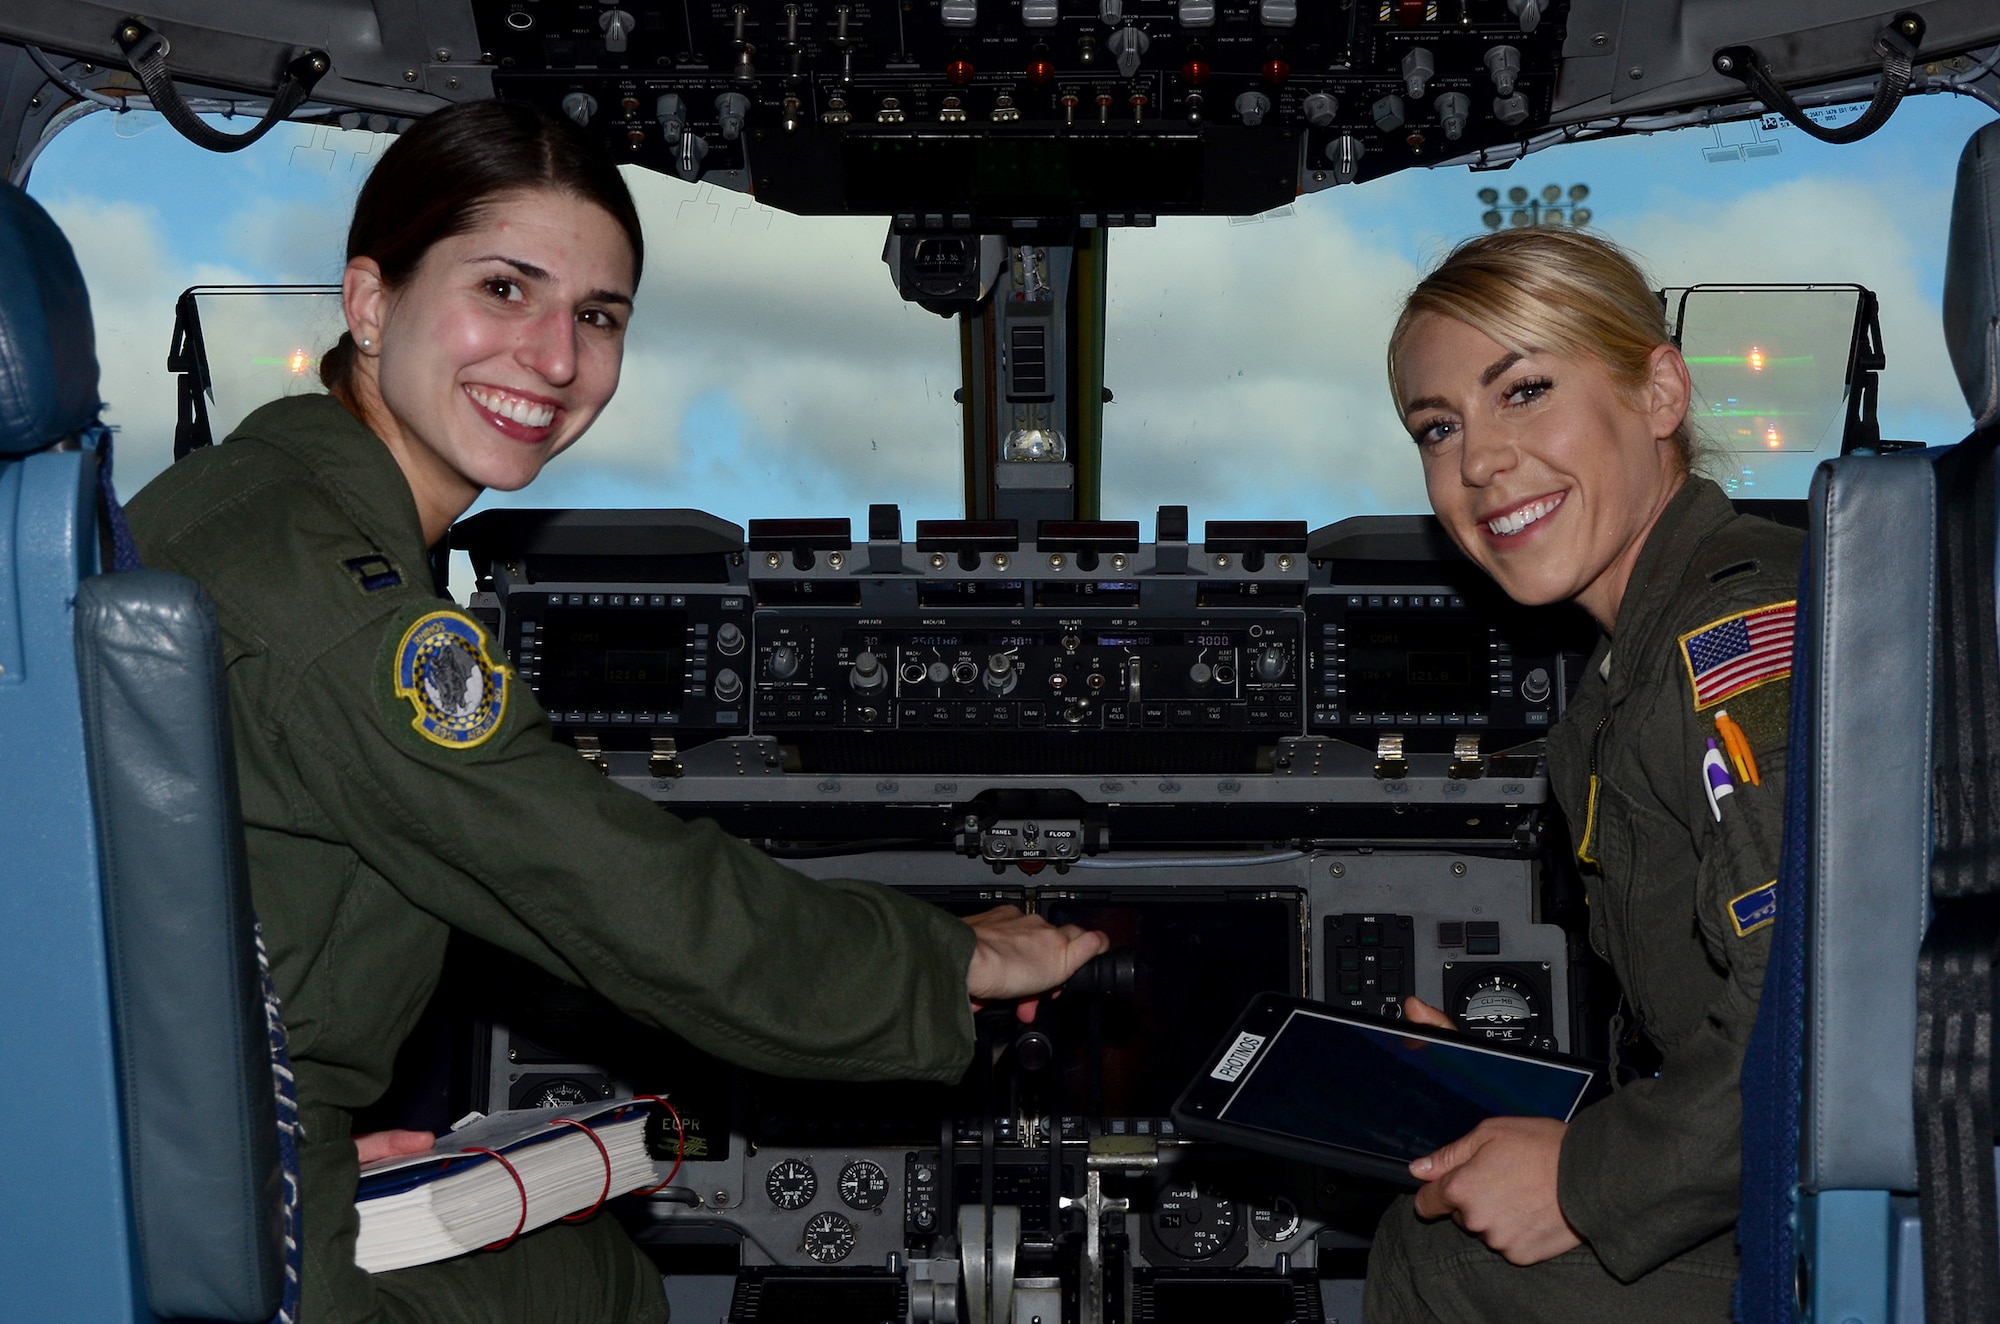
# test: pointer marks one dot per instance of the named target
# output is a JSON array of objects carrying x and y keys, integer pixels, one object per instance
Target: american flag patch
[{"x": 1739, "y": 652}]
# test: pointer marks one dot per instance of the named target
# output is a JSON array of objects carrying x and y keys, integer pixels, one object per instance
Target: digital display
[
  {"x": 1395, "y": 664},
  {"x": 1209, "y": 641},
  {"x": 1196, "y": 963},
  {"x": 613, "y": 659},
  {"x": 1014, "y": 641},
  {"x": 1124, "y": 640},
  {"x": 1387, "y": 1093}
]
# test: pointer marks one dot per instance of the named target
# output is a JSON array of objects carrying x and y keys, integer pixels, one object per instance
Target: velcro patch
[
  {"x": 1739, "y": 653},
  {"x": 374, "y": 572},
  {"x": 442, "y": 668},
  {"x": 1754, "y": 909}
]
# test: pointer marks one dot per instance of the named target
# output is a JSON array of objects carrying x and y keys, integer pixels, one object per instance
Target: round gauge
[
  {"x": 792, "y": 1184},
  {"x": 1279, "y": 1221},
  {"x": 863, "y": 1185},
  {"x": 1192, "y": 1225},
  {"x": 1499, "y": 1005},
  {"x": 829, "y": 1238},
  {"x": 559, "y": 1093}
]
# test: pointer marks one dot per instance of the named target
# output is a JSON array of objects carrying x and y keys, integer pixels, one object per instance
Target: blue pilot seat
[
  {"x": 1833, "y": 1229},
  {"x": 140, "y": 1168}
]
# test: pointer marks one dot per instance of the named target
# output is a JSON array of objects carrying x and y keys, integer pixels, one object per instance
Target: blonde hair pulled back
[{"x": 1540, "y": 289}]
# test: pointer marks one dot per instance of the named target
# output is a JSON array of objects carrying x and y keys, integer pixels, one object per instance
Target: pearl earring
[{"x": 366, "y": 342}]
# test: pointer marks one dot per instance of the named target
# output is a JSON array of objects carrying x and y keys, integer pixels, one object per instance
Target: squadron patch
[
  {"x": 1739, "y": 653},
  {"x": 443, "y": 670},
  {"x": 1754, "y": 909}
]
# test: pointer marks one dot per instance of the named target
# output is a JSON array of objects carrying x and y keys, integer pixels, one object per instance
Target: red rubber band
[
  {"x": 606, "y": 1193},
  {"x": 680, "y": 1140},
  {"x": 518, "y": 1185}
]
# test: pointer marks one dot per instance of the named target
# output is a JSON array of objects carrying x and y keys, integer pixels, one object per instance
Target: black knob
[
  {"x": 868, "y": 674},
  {"x": 728, "y": 686},
  {"x": 1270, "y": 663},
  {"x": 729, "y": 639},
  {"x": 1535, "y": 686},
  {"x": 1034, "y": 1051},
  {"x": 1000, "y": 676},
  {"x": 784, "y": 662}
]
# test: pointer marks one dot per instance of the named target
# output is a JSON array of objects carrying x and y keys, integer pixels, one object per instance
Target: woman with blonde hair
[{"x": 1548, "y": 403}]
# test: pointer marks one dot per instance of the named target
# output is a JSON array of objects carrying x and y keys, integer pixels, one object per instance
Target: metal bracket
[
  {"x": 1466, "y": 765},
  {"x": 1390, "y": 765}
]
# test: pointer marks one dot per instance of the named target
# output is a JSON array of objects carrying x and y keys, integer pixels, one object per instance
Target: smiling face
[
  {"x": 1543, "y": 469},
  {"x": 499, "y": 351}
]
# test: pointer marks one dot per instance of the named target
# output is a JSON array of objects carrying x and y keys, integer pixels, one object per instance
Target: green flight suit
[
  {"x": 1650, "y": 1177},
  {"x": 380, "y": 814}
]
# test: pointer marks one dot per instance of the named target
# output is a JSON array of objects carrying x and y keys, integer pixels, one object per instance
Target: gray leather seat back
[
  {"x": 1972, "y": 277},
  {"x": 192, "y": 1042},
  {"x": 1874, "y": 547}
]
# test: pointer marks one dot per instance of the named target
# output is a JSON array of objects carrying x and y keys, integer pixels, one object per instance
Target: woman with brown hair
[
  {"x": 397, "y": 782},
  {"x": 1549, "y": 406}
]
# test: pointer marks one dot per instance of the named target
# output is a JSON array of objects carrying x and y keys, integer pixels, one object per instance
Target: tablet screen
[{"x": 1387, "y": 1093}]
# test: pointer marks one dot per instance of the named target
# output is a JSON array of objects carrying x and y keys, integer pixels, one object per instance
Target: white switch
[
  {"x": 1278, "y": 13},
  {"x": 959, "y": 13},
  {"x": 1038, "y": 13},
  {"x": 1197, "y": 13}
]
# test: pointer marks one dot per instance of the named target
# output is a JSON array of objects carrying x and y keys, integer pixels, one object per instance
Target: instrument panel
[{"x": 974, "y": 112}]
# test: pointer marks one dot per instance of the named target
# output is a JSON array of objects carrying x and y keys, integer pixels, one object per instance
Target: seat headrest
[
  {"x": 48, "y": 352},
  {"x": 1972, "y": 277}
]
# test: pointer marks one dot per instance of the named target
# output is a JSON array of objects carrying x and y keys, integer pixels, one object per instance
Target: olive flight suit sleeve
[
  {"x": 1655, "y": 1169},
  {"x": 420, "y": 748}
]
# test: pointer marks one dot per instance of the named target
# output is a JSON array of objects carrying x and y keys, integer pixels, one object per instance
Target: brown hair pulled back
[
  {"x": 437, "y": 180},
  {"x": 1558, "y": 291}
]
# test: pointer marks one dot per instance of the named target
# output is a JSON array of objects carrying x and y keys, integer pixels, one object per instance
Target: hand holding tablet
[{"x": 1296, "y": 1079}]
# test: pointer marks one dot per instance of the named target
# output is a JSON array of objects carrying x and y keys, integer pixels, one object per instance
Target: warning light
[
  {"x": 1194, "y": 73},
  {"x": 959, "y": 71},
  {"x": 1276, "y": 71},
  {"x": 1041, "y": 71},
  {"x": 1756, "y": 359},
  {"x": 1771, "y": 436},
  {"x": 299, "y": 362}
]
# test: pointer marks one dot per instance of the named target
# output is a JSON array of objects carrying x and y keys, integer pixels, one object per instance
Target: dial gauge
[
  {"x": 829, "y": 1237},
  {"x": 792, "y": 1184},
  {"x": 1192, "y": 1225},
  {"x": 1499, "y": 1006},
  {"x": 863, "y": 1185},
  {"x": 1278, "y": 1221}
]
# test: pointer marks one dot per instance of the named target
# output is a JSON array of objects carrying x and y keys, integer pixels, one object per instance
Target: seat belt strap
[{"x": 1954, "y": 1082}]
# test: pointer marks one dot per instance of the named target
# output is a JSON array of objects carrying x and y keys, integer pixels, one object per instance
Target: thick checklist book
[{"x": 495, "y": 1178}]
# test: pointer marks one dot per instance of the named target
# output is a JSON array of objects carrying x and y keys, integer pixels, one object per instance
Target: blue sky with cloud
[{"x": 773, "y": 371}]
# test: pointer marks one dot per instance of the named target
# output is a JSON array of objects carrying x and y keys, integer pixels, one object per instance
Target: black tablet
[{"x": 1365, "y": 1096}]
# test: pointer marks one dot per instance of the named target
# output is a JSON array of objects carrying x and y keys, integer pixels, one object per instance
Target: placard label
[{"x": 1240, "y": 1055}]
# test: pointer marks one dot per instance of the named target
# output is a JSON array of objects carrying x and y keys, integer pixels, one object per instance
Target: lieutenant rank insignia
[
  {"x": 1739, "y": 653},
  {"x": 443, "y": 670}
]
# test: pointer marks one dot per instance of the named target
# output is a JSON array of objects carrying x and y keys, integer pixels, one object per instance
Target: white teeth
[
  {"x": 1515, "y": 521},
  {"x": 525, "y": 412}
]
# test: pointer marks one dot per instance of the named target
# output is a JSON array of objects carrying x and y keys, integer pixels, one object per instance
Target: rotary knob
[
  {"x": 1535, "y": 686},
  {"x": 728, "y": 686},
  {"x": 1200, "y": 674},
  {"x": 1000, "y": 675},
  {"x": 784, "y": 662},
  {"x": 1270, "y": 664},
  {"x": 729, "y": 640},
  {"x": 868, "y": 675}
]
